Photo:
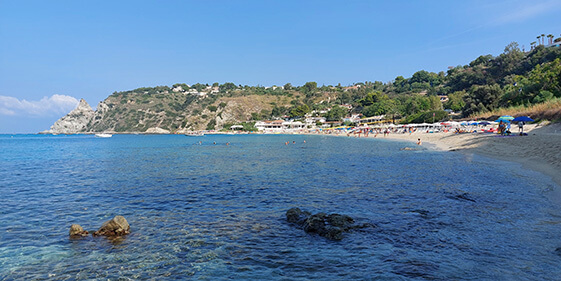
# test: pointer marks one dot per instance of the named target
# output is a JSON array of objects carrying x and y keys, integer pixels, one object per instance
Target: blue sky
[{"x": 52, "y": 53}]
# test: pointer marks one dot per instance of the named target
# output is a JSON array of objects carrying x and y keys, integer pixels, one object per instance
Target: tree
[
  {"x": 336, "y": 113},
  {"x": 455, "y": 101},
  {"x": 381, "y": 107},
  {"x": 227, "y": 87},
  {"x": 309, "y": 87},
  {"x": 481, "y": 60},
  {"x": 299, "y": 111},
  {"x": 482, "y": 98},
  {"x": 287, "y": 86},
  {"x": 279, "y": 111},
  {"x": 550, "y": 39},
  {"x": 371, "y": 98}
]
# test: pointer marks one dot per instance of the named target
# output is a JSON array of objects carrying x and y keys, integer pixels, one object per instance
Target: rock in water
[
  {"x": 295, "y": 215},
  {"x": 117, "y": 226},
  {"x": 329, "y": 226},
  {"x": 76, "y": 230},
  {"x": 74, "y": 122},
  {"x": 340, "y": 220}
]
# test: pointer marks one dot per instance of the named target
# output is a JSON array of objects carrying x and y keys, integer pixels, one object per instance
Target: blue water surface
[{"x": 217, "y": 211}]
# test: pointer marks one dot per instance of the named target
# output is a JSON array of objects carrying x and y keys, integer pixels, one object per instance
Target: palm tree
[
  {"x": 543, "y": 36},
  {"x": 533, "y": 44},
  {"x": 538, "y": 37},
  {"x": 550, "y": 39}
]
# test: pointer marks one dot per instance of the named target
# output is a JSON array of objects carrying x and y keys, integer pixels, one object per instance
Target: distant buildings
[{"x": 279, "y": 126}]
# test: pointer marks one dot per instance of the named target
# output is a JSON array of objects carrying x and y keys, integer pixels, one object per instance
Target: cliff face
[
  {"x": 74, "y": 122},
  {"x": 165, "y": 110}
]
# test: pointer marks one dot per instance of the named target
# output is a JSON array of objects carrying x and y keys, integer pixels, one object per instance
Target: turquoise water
[{"x": 215, "y": 212}]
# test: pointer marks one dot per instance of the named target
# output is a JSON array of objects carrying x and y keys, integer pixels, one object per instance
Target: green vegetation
[{"x": 488, "y": 84}]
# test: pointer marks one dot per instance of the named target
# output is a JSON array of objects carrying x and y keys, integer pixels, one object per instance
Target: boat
[{"x": 103, "y": 135}]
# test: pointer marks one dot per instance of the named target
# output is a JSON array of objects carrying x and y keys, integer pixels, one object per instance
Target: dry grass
[{"x": 550, "y": 110}]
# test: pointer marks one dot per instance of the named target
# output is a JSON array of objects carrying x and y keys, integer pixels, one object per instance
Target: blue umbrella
[{"x": 522, "y": 119}]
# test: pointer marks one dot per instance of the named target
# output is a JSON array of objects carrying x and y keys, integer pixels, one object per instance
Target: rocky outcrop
[
  {"x": 117, "y": 226},
  {"x": 74, "y": 122},
  {"x": 330, "y": 226},
  {"x": 77, "y": 231},
  {"x": 157, "y": 131}
]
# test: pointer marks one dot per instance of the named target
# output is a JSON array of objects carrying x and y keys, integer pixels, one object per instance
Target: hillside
[{"x": 514, "y": 78}]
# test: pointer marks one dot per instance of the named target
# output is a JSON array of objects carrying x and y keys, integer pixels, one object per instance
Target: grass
[{"x": 549, "y": 110}]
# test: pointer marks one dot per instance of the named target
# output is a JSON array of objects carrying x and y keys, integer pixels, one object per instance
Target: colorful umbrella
[
  {"x": 504, "y": 118},
  {"x": 522, "y": 119}
]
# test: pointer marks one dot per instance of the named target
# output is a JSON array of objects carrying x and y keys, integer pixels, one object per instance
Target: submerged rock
[
  {"x": 77, "y": 231},
  {"x": 329, "y": 226},
  {"x": 117, "y": 226}
]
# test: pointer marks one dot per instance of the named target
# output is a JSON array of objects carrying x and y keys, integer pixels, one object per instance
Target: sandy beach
[{"x": 540, "y": 150}]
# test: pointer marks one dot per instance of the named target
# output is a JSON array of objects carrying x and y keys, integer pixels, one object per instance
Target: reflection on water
[{"x": 218, "y": 212}]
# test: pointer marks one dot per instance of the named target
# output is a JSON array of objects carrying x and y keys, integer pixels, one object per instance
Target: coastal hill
[{"x": 513, "y": 78}]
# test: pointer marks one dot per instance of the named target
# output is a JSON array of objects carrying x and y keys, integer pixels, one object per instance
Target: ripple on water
[{"x": 218, "y": 212}]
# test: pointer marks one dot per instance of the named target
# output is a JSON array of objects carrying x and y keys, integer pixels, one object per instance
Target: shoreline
[{"x": 539, "y": 151}]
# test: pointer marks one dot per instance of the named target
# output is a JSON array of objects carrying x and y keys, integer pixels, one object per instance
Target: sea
[{"x": 214, "y": 207}]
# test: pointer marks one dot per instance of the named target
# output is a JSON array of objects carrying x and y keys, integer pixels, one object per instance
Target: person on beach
[
  {"x": 501, "y": 128},
  {"x": 521, "y": 127},
  {"x": 418, "y": 141}
]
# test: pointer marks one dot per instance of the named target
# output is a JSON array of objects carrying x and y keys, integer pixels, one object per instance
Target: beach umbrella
[
  {"x": 522, "y": 119},
  {"x": 504, "y": 118}
]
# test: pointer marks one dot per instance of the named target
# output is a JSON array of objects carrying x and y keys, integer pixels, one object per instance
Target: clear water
[{"x": 215, "y": 212}]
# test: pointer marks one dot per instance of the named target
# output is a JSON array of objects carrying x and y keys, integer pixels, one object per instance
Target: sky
[{"x": 53, "y": 53}]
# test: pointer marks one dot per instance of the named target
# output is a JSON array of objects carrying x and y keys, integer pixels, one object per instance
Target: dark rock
[
  {"x": 340, "y": 220},
  {"x": 117, "y": 226},
  {"x": 558, "y": 251},
  {"x": 333, "y": 233},
  {"x": 295, "y": 215},
  {"x": 329, "y": 226},
  {"x": 315, "y": 223},
  {"x": 77, "y": 231}
]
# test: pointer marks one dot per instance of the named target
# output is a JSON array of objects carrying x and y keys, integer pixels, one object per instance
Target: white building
[{"x": 279, "y": 126}]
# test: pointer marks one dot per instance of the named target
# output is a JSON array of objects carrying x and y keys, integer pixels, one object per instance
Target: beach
[{"x": 540, "y": 150}]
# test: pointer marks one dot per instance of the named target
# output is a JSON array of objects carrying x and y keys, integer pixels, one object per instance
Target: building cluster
[
  {"x": 312, "y": 123},
  {"x": 192, "y": 91}
]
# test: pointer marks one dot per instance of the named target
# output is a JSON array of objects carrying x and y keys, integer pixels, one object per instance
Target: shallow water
[{"x": 216, "y": 212}]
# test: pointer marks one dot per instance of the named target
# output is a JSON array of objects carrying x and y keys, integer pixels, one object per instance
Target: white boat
[
  {"x": 195, "y": 134},
  {"x": 103, "y": 135}
]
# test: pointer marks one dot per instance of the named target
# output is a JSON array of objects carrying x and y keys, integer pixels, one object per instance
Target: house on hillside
[{"x": 443, "y": 98}]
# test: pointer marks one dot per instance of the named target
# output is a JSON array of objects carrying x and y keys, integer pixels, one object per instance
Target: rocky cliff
[
  {"x": 74, "y": 122},
  {"x": 169, "y": 110}
]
